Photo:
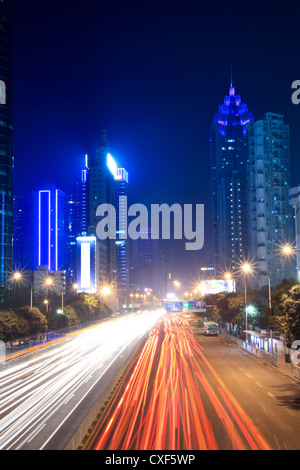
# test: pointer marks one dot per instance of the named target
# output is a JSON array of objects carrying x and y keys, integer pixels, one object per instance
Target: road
[
  {"x": 191, "y": 392},
  {"x": 270, "y": 398},
  {"x": 46, "y": 394}
]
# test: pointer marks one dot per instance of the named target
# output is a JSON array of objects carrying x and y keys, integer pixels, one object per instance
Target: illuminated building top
[{"x": 233, "y": 112}]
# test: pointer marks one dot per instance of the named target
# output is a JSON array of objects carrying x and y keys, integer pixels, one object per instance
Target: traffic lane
[
  {"x": 270, "y": 398},
  {"x": 189, "y": 409},
  {"x": 36, "y": 387},
  {"x": 81, "y": 404}
]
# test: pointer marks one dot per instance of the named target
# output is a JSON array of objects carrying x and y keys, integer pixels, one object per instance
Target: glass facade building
[
  {"x": 102, "y": 190},
  {"x": 122, "y": 246},
  {"x": 51, "y": 215},
  {"x": 271, "y": 218},
  {"x": 6, "y": 141},
  {"x": 229, "y": 159}
]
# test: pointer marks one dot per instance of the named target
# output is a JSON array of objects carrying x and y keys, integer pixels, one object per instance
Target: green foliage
[
  {"x": 23, "y": 322},
  {"x": 285, "y": 313},
  {"x": 37, "y": 322},
  {"x": 13, "y": 326},
  {"x": 85, "y": 308}
]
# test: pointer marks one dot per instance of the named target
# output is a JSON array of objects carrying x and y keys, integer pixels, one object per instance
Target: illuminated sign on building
[
  {"x": 86, "y": 264},
  {"x": 215, "y": 286},
  {"x": 51, "y": 232},
  {"x": 111, "y": 164}
]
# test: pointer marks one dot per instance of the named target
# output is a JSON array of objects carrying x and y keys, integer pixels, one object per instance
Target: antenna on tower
[{"x": 231, "y": 76}]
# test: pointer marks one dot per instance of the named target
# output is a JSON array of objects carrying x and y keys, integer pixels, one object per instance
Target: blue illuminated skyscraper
[
  {"x": 84, "y": 198},
  {"x": 102, "y": 190},
  {"x": 122, "y": 243},
  {"x": 6, "y": 141},
  {"x": 229, "y": 161},
  {"x": 271, "y": 216},
  {"x": 51, "y": 219}
]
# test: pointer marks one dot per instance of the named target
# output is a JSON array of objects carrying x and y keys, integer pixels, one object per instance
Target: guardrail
[
  {"x": 296, "y": 371},
  {"x": 266, "y": 356}
]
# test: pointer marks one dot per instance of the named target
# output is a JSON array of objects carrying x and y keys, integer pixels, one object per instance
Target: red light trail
[{"x": 174, "y": 400}]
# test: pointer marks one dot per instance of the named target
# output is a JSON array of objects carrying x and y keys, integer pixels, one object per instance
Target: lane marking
[
  {"x": 258, "y": 384},
  {"x": 36, "y": 433},
  {"x": 67, "y": 401}
]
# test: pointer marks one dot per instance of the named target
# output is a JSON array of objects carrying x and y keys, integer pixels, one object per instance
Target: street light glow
[
  {"x": 287, "y": 250},
  {"x": 49, "y": 281},
  {"x": 106, "y": 291},
  {"x": 246, "y": 268}
]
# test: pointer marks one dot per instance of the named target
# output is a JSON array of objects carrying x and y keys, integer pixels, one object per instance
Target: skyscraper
[
  {"x": 295, "y": 203},
  {"x": 229, "y": 157},
  {"x": 145, "y": 267},
  {"x": 102, "y": 190},
  {"x": 51, "y": 214},
  {"x": 271, "y": 221},
  {"x": 84, "y": 198},
  {"x": 122, "y": 243},
  {"x": 6, "y": 141}
]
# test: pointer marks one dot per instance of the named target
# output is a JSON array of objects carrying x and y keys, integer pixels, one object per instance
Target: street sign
[
  {"x": 174, "y": 307},
  {"x": 196, "y": 306}
]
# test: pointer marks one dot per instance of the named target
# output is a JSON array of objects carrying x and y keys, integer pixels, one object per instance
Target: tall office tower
[
  {"x": 229, "y": 159},
  {"x": 122, "y": 242},
  {"x": 6, "y": 141},
  {"x": 74, "y": 225},
  {"x": 102, "y": 190},
  {"x": 295, "y": 202},
  {"x": 84, "y": 198},
  {"x": 271, "y": 222},
  {"x": 22, "y": 236},
  {"x": 145, "y": 268},
  {"x": 78, "y": 220},
  {"x": 51, "y": 228}
]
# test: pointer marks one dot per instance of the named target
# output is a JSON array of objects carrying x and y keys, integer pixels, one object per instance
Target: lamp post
[
  {"x": 247, "y": 269},
  {"x": 18, "y": 277},
  {"x": 270, "y": 308}
]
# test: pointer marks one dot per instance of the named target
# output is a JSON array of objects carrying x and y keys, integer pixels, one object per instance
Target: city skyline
[
  {"x": 143, "y": 101},
  {"x": 150, "y": 228}
]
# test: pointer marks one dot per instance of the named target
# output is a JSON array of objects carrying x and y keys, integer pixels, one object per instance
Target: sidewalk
[{"x": 286, "y": 368}]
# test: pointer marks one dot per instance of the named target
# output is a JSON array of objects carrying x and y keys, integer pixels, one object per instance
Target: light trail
[
  {"x": 46, "y": 387},
  {"x": 174, "y": 400}
]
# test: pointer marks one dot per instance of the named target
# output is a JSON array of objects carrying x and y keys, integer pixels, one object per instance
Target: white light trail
[{"x": 34, "y": 389}]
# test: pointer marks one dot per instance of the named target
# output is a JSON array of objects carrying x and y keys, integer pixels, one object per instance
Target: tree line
[
  {"x": 18, "y": 320},
  {"x": 283, "y": 316}
]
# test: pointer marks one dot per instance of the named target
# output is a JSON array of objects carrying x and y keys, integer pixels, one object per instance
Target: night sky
[{"x": 152, "y": 74}]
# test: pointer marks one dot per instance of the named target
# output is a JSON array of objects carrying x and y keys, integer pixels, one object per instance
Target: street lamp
[
  {"x": 17, "y": 276},
  {"x": 287, "y": 249},
  {"x": 246, "y": 268},
  {"x": 106, "y": 290}
]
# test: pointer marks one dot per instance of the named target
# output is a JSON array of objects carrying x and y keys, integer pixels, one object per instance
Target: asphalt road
[
  {"x": 45, "y": 395},
  {"x": 192, "y": 392},
  {"x": 270, "y": 398}
]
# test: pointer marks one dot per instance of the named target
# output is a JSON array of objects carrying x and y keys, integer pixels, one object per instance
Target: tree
[
  {"x": 285, "y": 314},
  {"x": 37, "y": 322},
  {"x": 12, "y": 327}
]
